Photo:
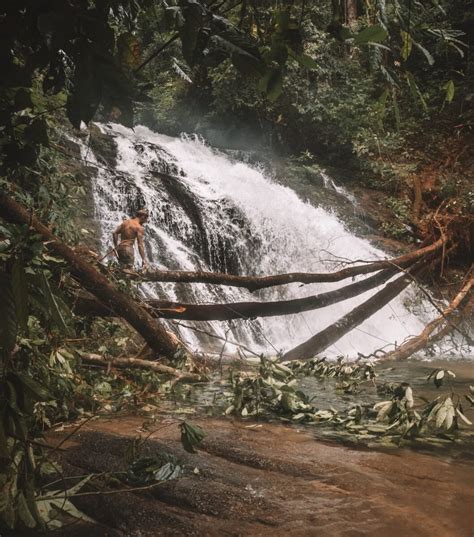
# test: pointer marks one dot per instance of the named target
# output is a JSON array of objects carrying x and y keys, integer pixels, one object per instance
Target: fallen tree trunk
[
  {"x": 243, "y": 310},
  {"x": 416, "y": 343},
  {"x": 159, "y": 340},
  {"x": 254, "y": 283},
  {"x": 323, "y": 339},
  {"x": 137, "y": 363}
]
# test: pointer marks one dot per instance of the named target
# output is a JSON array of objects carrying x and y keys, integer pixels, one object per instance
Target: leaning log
[
  {"x": 159, "y": 340},
  {"x": 254, "y": 283},
  {"x": 137, "y": 363},
  {"x": 325, "y": 338},
  {"x": 416, "y": 343},
  {"x": 243, "y": 310}
]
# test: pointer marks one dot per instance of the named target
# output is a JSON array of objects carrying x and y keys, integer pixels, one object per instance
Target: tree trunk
[
  {"x": 416, "y": 343},
  {"x": 254, "y": 283},
  {"x": 322, "y": 340},
  {"x": 124, "y": 306},
  {"x": 351, "y": 11},
  {"x": 137, "y": 363},
  {"x": 243, "y": 310}
]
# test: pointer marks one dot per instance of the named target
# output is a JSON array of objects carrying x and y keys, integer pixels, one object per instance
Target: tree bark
[
  {"x": 325, "y": 338},
  {"x": 254, "y": 283},
  {"x": 137, "y": 363},
  {"x": 124, "y": 306},
  {"x": 416, "y": 343},
  {"x": 244, "y": 310}
]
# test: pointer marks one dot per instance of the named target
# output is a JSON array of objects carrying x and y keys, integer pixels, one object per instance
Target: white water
[{"x": 252, "y": 225}]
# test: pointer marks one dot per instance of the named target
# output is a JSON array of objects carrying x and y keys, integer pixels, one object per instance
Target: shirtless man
[{"x": 128, "y": 231}]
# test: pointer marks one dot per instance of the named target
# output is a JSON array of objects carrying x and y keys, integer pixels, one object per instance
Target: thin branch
[{"x": 160, "y": 49}]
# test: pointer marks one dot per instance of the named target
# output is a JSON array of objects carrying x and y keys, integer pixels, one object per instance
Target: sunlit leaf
[
  {"x": 406, "y": 45},
  {"x": 450, "y": 90}
]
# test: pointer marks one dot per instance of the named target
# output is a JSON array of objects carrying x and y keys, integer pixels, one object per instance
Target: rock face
[
  {"x": 269, "y": 480},
  {"x": 103, "y": 146}
]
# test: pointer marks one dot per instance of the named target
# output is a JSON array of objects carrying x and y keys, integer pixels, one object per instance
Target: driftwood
[
  {"x": 159, "y": 340},
  {"x": 242, "y": 310},
  {"x": 323, "y": 339},
  {"x": 423, "y": 339},
  {"x": 253, "y": 283},
  {"x": 137, "y": 363}
]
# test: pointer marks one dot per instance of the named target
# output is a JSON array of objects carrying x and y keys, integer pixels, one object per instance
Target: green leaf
[
  {"x": 426, "y": 53},
  {"x": 39, "y": 392},
  {"x": 20, "y": 293},
  {"x": 191, "y": 436},
  {"x": 375, "y": 34},
  {"x": 406, "y": 45},
  {"x": 304, "y": 60},
  {"x": 450, "y": 90},
  {"x": 415, "y": 91},
  {"x": 274, "y": 85},
  {"x": 53, "y": 306}
]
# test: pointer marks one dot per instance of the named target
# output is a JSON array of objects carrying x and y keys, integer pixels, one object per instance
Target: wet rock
[{"x": 103, "y": 146}]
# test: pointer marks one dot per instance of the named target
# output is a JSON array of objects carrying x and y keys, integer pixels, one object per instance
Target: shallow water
[{"x": 209, "y": 399}]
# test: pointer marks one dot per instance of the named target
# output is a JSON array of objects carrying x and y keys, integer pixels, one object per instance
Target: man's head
[{"x": 142, "y": 215}]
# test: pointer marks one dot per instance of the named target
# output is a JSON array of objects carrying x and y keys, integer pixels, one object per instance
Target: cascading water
[{"x": 210, "y": 212}]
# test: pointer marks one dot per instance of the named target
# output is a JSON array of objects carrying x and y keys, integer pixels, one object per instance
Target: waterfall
[{"x": 209, "y": 211}]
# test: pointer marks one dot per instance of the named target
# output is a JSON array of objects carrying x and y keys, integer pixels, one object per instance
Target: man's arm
[
  {"x": 116, "y": 235},
  {"x": 141, "y": 247}
]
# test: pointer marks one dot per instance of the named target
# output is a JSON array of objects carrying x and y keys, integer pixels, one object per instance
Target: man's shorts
[{"x": 126, "y": 255}]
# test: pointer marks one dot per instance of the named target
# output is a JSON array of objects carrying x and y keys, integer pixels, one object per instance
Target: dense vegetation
[{"x": 303, "y": 78}]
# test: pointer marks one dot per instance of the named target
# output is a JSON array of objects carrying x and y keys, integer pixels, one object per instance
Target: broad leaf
[
  {"x": 375, "y": 34},
  {"x": 426, "y": 53},
  {"x": 450, "y": 90}
]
